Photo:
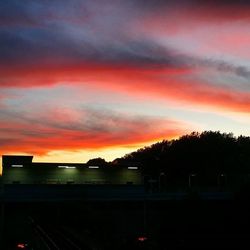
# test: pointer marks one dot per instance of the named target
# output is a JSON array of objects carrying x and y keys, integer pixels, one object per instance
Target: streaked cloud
[{"x": 67, "y": 129}]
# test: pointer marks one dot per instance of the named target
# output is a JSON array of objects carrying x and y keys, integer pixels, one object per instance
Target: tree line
[
  {"x": 195, "y": 152},
  {"x": 207, "y": 153}
]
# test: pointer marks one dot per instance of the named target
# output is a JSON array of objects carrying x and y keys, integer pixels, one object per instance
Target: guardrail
[{"x": 54, "y": 193}]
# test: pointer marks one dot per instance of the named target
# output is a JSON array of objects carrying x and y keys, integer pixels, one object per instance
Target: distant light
[
  {"x": 93, "y": 166},
  {"x": 133, "y": 168},
  {"x": 70, "y": 167},
  {"x": 17, "y": 166},
  {"x": 142, "y": 238},
  {"x": 222, "y": 175},
  {"x": 193, "y": 175},
  {"x": 21, "y": 245}
]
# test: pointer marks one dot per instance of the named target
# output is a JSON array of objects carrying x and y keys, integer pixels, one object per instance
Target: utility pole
[
  {"x": 190, "y": 180},
  {"x": 144, "y": 215},
  {"x": 2, "y": 212},
  {"x": 160, "y": 184}
]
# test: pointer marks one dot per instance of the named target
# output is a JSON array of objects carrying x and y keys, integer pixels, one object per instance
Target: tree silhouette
[
  {"x": 210, "y": 155},
  {"x": 98, "y": 162}
]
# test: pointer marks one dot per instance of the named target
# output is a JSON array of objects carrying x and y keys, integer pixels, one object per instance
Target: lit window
[
  {"x": 67, "y": 167},
  {"x": 62, "y": 166},
  {"x": 17, "y": 166},
  {"x": 133, "y": 168},
  {"x": 93, "y": 166}
]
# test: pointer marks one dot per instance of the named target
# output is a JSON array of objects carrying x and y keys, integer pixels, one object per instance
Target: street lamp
[
  {"x": 161, "y": 174},
  {"x": 219, "y": 179},
  {"x": 189, "y": 179}
]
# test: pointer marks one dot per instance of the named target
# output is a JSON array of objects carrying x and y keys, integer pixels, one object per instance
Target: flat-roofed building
[{"x": 21, "y": 170}]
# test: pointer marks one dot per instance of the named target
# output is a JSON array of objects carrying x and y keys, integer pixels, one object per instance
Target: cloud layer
[
  {"x": 66, "y": 129},
  {"x": 193, "y": 54}
]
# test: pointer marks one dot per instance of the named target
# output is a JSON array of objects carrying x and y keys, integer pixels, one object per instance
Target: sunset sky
[{"x": 82, "y": 78}]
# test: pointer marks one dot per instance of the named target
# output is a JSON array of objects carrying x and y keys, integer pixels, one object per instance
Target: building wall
[{"x": 31, "y": 175}]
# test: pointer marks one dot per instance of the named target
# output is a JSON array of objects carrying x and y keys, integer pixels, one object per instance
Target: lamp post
[
  {"x": 219, "y": 177},
  {"x": 161, "y": 174},
  {"x": 2, "y": 210},
  {"x": 190, "y": 179}
]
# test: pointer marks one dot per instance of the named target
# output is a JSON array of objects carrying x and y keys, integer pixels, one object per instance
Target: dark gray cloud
[
  {"x": 67, "y": 32},
  {"x": 224, "y": 66},
  {"x": 31, "y": 46},
  {"x": 241, "y": 71},
  {"x": 73, "y": 31},
  {"x": 15, "y": 13}
]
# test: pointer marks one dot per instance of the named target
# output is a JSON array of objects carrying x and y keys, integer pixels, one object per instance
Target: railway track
[{"x": 53, "y": 237}]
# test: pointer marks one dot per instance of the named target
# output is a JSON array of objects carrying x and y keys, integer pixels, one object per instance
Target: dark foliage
[
  {"x": 97, "y": 161},
  {"x": 207, "y": 153}
]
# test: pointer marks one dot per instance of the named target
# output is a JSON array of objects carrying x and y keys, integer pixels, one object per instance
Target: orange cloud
[{"x": 95, "y": 130}]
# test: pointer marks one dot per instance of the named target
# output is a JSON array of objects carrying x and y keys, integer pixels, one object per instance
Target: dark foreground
[{"x": 112, "y": 225}]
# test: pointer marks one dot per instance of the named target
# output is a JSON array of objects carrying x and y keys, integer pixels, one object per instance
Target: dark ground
[{"x": 194, "y": 224}]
